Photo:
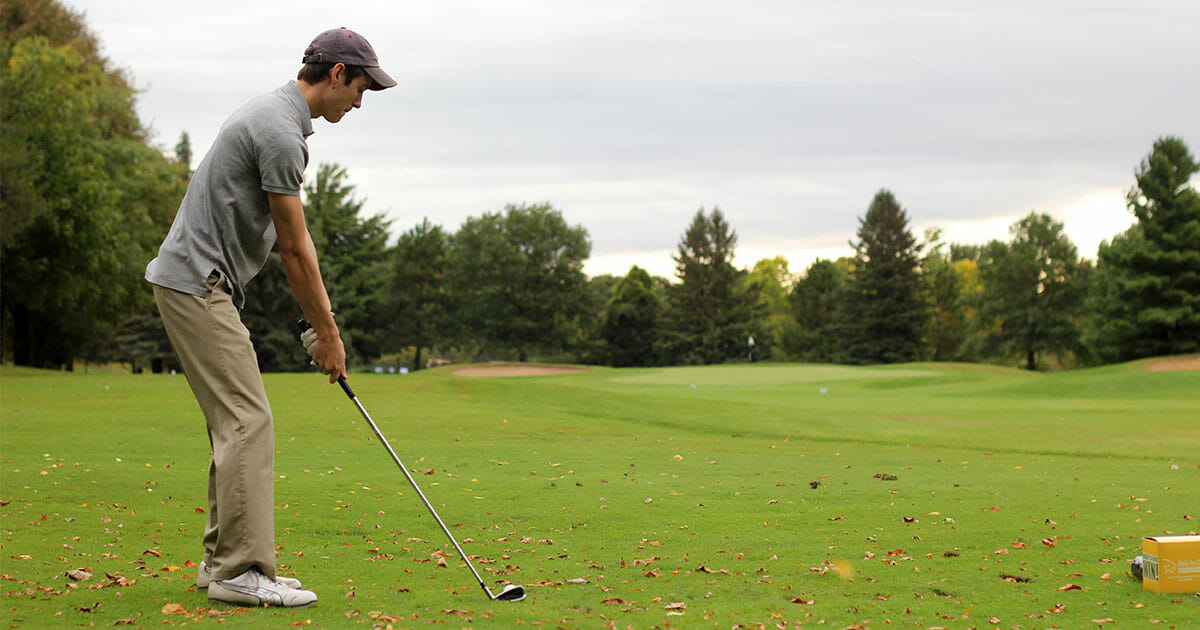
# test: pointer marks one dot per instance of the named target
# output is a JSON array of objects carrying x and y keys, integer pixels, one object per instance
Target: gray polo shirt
[{"x": 224, "y": 222}]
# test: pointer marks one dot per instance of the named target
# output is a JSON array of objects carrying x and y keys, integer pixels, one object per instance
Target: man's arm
[{"x": 304, "y": 275}]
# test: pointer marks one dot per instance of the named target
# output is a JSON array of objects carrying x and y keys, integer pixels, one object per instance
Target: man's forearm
[{"x": 304, "y": 276}]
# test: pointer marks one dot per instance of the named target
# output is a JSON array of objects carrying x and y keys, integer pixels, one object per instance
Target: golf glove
[{"x": 309, "y": 339}]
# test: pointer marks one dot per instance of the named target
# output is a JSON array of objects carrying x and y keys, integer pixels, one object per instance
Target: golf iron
[{"x": 511, "y": 592}]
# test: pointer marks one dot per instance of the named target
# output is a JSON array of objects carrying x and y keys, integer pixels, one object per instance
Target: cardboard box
[{"x": 1171, "y": 564}]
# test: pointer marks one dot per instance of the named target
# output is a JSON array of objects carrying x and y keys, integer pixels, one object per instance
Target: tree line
[{"x": 86, "y": 199}]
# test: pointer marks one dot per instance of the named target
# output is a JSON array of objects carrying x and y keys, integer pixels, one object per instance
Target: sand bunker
[
  {"x": 510, "y": 369},
  {"x": 1173, "y": 364}
]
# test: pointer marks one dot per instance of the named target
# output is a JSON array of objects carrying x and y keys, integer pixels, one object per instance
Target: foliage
[
  {"x": 631, "y": 322},
  {"x": 518, "y": 280},
  {"x": 951, "y": 287},
  {"x": 883, "y": 314},
  {"x": 1033, "y": 292},
  {"x": 84, "y": 199},
  {"x": 813, "y": 302},
  {"x": 1147, "y": 296},
  {"x": 771, "y": 281},
  {"x": 711, "y": 312},
  {"x": 417, "y": 302}
]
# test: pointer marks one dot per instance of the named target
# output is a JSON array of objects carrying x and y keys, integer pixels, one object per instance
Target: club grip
[{"x": 303, "y": 325}]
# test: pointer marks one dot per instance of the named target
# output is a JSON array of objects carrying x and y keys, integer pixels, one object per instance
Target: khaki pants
[{"x": 222, "y": 368}]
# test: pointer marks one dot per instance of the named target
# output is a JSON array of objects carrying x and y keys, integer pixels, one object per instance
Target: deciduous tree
[
  {"x": 1033, "y": 291},
  {"x": 518, "y": 280}
]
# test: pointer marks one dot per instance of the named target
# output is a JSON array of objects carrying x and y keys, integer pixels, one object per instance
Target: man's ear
[{"x": 337, "y": 73}]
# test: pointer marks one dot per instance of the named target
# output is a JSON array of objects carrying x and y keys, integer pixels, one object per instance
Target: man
[{"x": 243, "y": 197}]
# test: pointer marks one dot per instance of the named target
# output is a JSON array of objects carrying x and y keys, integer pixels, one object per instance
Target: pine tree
[
  {"x": 711, "y": 314},
  {"x": 883, "y": 315},
  {"x": 1146, "y": 299}
]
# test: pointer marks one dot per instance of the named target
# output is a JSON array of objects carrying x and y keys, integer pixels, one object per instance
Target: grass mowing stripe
[{"x": 923, "y": 495}]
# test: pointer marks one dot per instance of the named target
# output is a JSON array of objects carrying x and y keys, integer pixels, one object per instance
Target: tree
[
  {"x": 771, "y": 281},
  {"x": 711, "y": 312},
  {"x": 631, "y": 322},
  {"x": 183, "y": 153},
  {"x": 1033, "y": 292},
  {"x": 951, "y": 285},
  {"x": 883, "y": 314},
  {"x": 814, "y": 303},
  {"x": 417, "y": 312},
  {"x": 84, "y": 199},
  {"x": 518, "y": 280},
  {"x": 1146, "y": 301}
]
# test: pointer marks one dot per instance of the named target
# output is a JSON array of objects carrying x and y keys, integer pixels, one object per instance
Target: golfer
[{"x": 243, "y": 197}]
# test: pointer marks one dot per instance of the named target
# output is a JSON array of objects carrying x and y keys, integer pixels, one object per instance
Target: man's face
[{"x": 342, "y": 98}]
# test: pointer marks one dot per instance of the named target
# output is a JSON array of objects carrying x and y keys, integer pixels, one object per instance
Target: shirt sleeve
[{"x": 282, "y": 159}]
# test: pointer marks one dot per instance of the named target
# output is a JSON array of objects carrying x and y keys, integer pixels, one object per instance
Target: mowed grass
[{"x": 762, "y": 495}]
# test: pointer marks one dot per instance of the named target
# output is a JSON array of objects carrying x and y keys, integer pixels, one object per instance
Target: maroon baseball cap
[{"x": 342, "y": 45}]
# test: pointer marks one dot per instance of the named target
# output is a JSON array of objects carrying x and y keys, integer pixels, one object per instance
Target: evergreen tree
[
  {"x": 883, "y": 314},
  {"x": 183, "y": 152},
  {"x": 1146, "y": 300},
  {"x": 711, "y": 312}
]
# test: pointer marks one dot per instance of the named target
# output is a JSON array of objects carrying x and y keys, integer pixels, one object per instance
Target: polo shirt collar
[{"x": 303, "y": 116}]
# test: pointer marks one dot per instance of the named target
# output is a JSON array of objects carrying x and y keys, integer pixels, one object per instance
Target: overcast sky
[{"x": 630, "y": 115}]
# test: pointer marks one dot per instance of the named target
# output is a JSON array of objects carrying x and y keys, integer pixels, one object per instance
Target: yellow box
[{"x": 1171, "y": 564}]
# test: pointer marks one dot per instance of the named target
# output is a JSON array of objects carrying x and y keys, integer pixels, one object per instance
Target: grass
[{"x": 775, "y": 495}]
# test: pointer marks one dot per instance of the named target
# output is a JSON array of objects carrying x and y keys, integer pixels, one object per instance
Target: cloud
[{"x": 629, "y": 116}]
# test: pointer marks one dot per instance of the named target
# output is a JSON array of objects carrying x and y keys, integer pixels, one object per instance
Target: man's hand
[{"x": 329, "y": 355}]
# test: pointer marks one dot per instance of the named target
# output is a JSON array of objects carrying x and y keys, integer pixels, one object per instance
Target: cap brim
[{"x": 380, "y": 79}]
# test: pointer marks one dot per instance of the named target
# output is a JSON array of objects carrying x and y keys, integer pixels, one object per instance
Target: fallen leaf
[
  {"x": 1048, "y": 542},
  {"x": 675, "y": 606},
  {"x": 1058, "y": 608},
  {"x": 174, "y": 609},
  {"x": 116, "y": 579},
  {"x": 577, "y": 581},
  {"x": 1102, "y": 621},
  {"x": 1106, "y": 576},
  {"x": 152, "y": 552},
  {"x": 80, "y": 575},
  {"x": 1070, "y": 587},
  {"x": 451, "y": 611},
  {"x": 615, "y": 601}
]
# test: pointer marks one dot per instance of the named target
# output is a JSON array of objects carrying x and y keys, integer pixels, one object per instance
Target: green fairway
[{"x": 783, "y": 495}]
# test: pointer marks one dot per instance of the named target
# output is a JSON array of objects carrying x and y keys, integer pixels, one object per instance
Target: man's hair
[{"x": 314, "y": 73}]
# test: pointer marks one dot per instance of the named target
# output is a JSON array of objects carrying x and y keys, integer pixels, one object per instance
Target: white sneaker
[
  {"x": 204, "y": 576},
  {"x": 255, "y": 589}
]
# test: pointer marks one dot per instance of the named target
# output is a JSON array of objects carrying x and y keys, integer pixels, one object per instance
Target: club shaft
[{"x": 413, "y": 482}]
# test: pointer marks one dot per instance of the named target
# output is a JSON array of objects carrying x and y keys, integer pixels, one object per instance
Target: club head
[{"x": 511, "y": 593}]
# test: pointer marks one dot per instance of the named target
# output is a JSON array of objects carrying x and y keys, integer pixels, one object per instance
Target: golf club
[{"x": 511, "y": 592}]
